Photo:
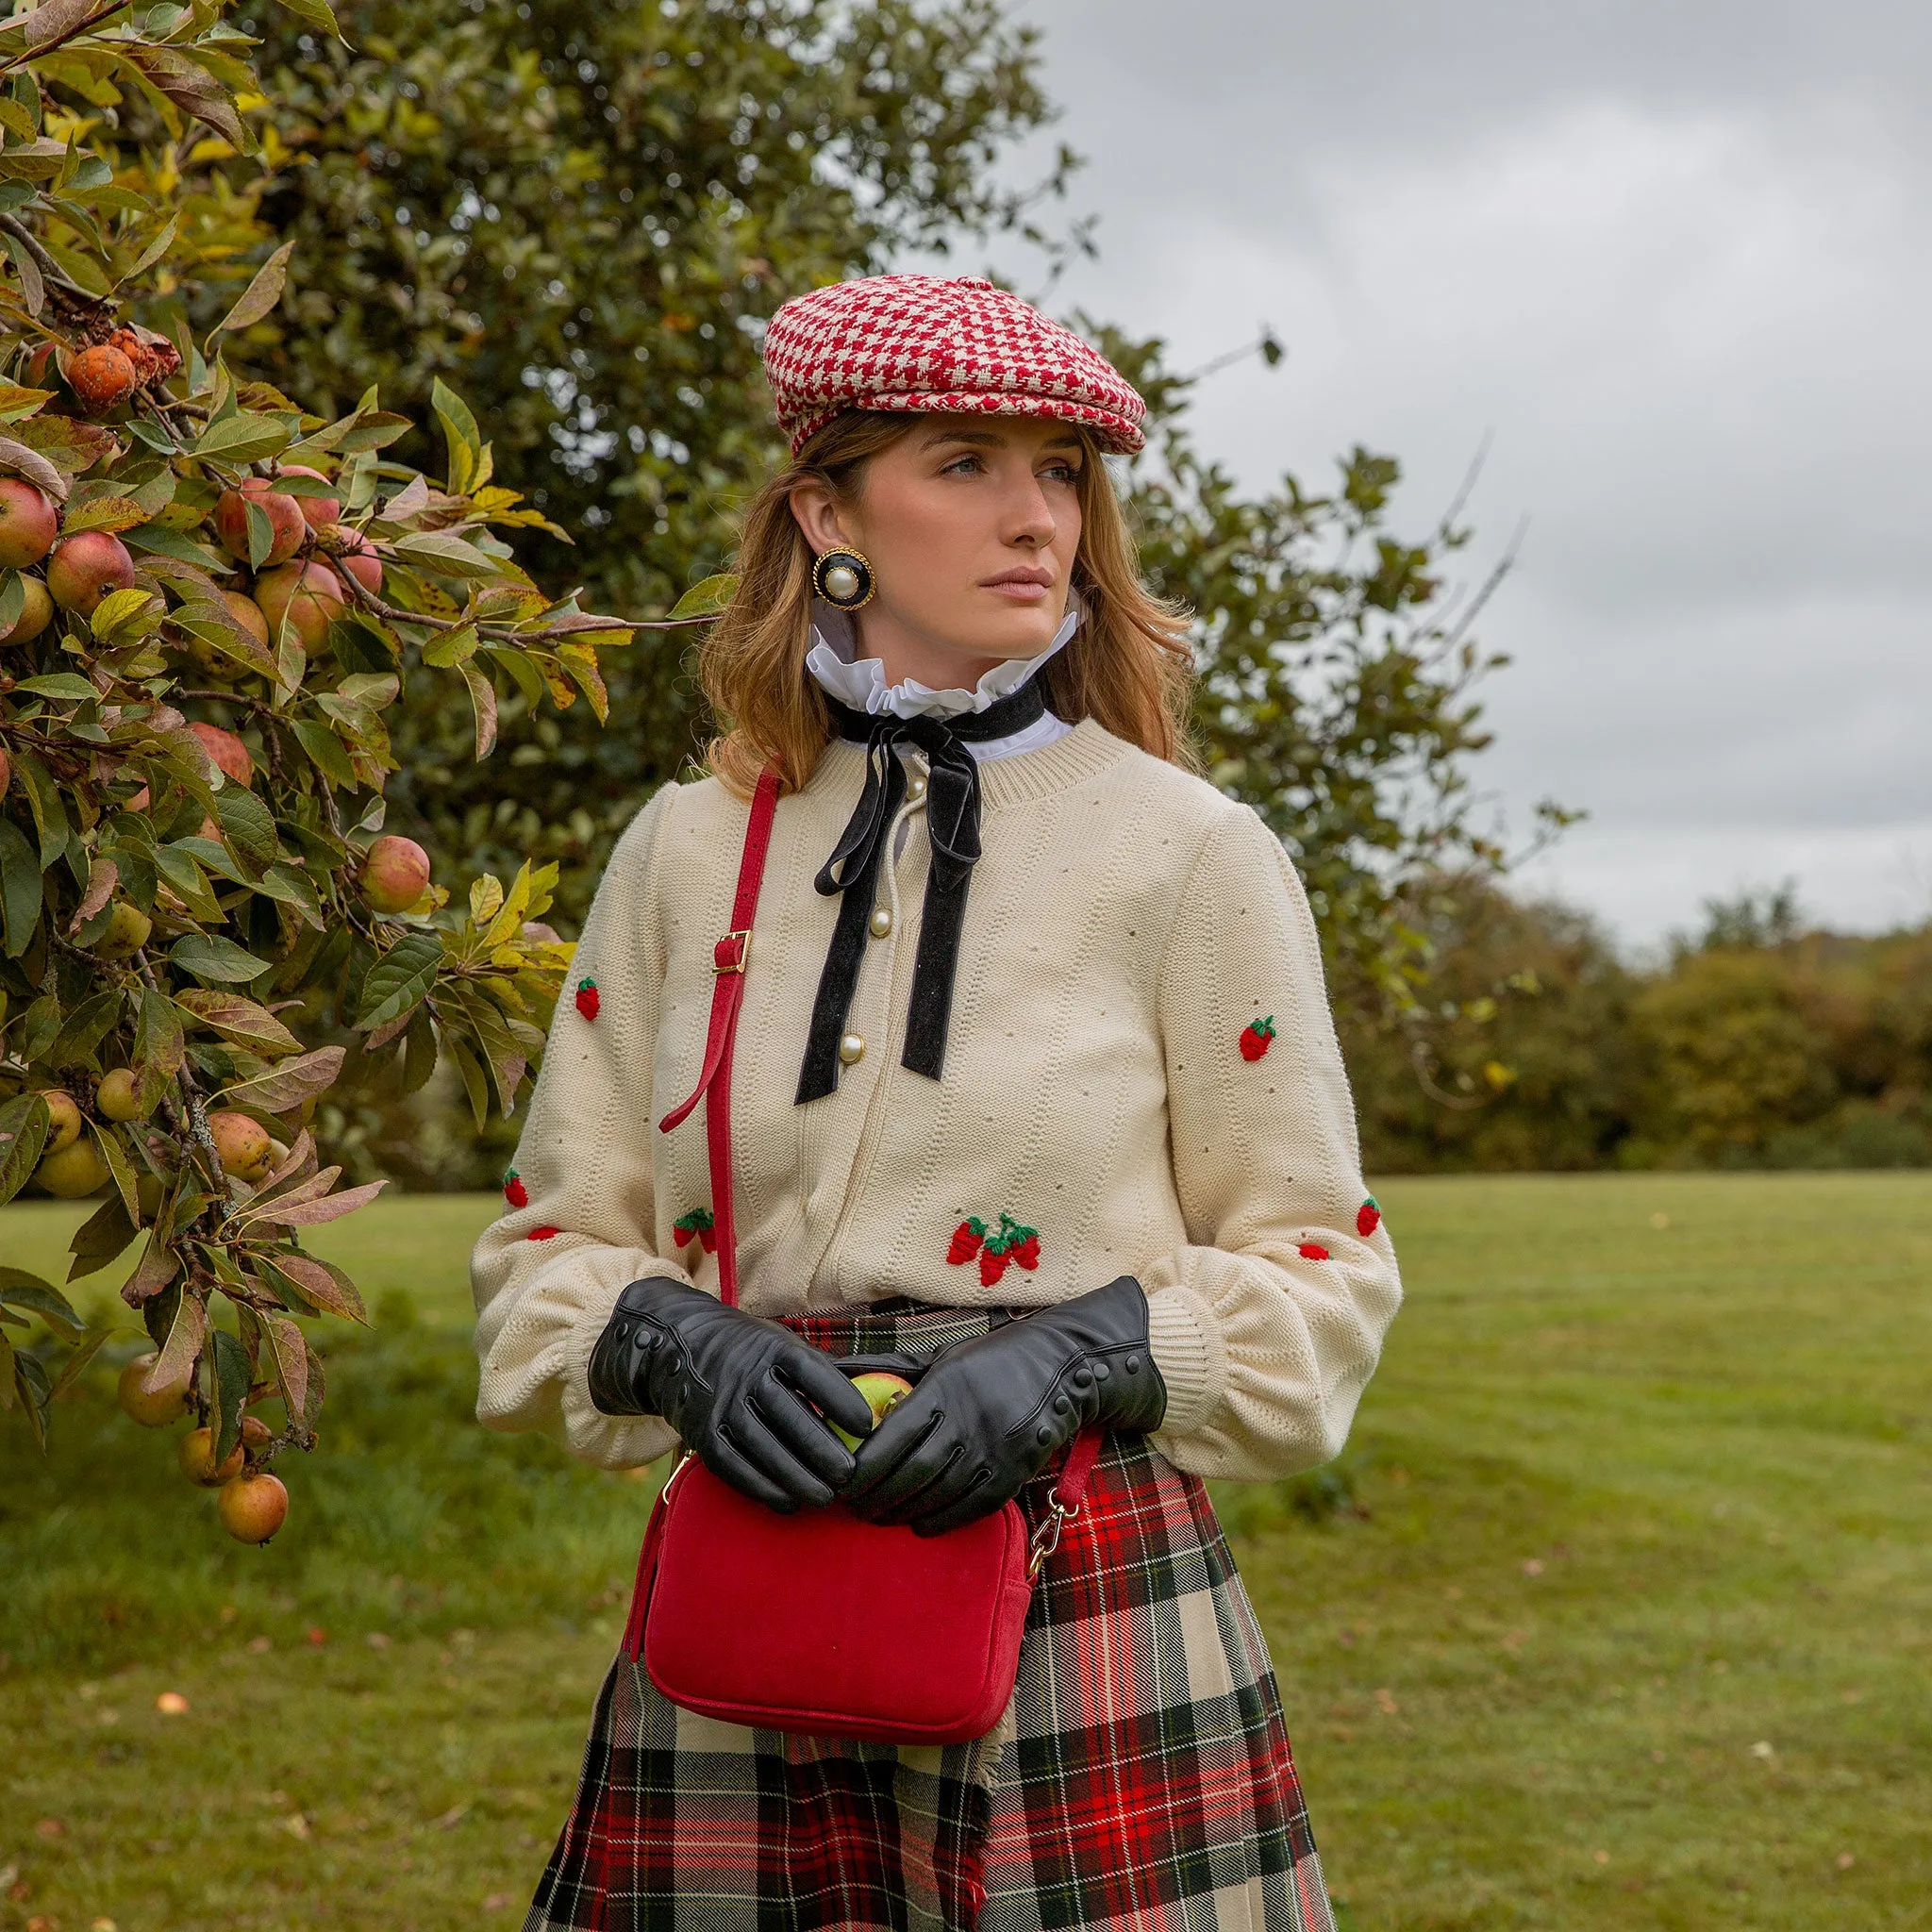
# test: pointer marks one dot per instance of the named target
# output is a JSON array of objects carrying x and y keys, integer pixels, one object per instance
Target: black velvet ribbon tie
[{"x": 952, "y": 816}]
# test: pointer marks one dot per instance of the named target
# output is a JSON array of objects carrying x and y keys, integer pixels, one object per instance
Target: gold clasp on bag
[{"x": 1046, "y": 1538}]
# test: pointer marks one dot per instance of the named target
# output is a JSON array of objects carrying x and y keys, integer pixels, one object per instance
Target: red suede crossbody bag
[{"x": 817, "y": 1622}]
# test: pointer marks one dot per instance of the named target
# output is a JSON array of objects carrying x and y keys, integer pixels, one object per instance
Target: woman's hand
[
  {"x": 988, "y": 1413},
  {"x": 744, "y": 1393}
]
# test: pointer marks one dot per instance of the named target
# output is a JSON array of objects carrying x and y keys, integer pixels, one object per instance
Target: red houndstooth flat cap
[{"x": 931, "y": 342}]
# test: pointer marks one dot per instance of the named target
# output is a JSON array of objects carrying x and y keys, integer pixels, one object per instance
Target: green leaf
[
  {"x": 231, "y": 1379},
  {"x": 316, "y": 12},
  {"x": 84, "y": 1029},
  {"x": 36, "y": 1394},
  {"x": 247, "y": 828},
  {"x": 262, "y": 294},
  {"x": 399, "y": 980},
  {"x": 291, "y": 1351},
  {"x": 20, "y": 888},
  {"x": 100, "y": 1237},
  {"x": 444, "y": 554},
  {"x": 448, "y": 647},
  {"x": 469, "y": 455},
  {"x": 158, "y": 1046},
  {"x": 157, "y": 248},
  {"x": 322, "y": 1283},
  {"x": 13, "y": 599},
  {"x": 326, "y": 752},
  {"x": 261, "y": 533},
  {"x": 85, "y": 1348},
  {"x": 65, "y": 686},
  {"x": 240, "y": 1020},
  {"x": 24, "y": 1125},
  {"x": 288, "y": 1086},
  {"x": 178, "y": 1321},
  {"x": 44, "y": 801},
  {"x": 207, "y": 956},
  {"x": 21, "y": 1289},
  {"x": 483, "y": 703},
  {"x": 707, "y": 597},
  {"x": 243, "y": 438}
]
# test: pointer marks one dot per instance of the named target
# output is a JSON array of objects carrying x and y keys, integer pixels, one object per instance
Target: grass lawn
[{"x": 1635, "y": 1631}]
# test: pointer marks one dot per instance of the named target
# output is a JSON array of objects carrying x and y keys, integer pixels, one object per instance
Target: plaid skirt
[{"x": 1140, "y": 1777}]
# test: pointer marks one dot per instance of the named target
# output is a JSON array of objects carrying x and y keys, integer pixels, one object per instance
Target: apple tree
[{"x": 210, "y": 599}]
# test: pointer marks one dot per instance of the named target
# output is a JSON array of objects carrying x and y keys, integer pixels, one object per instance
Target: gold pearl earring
[{"x": 844, "y": 579}]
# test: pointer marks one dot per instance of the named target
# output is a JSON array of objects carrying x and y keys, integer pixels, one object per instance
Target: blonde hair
[{"x": 1128, "y": 666}]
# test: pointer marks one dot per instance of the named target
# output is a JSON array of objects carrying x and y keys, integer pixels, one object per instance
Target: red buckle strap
[{"x": 729, "y": 959}]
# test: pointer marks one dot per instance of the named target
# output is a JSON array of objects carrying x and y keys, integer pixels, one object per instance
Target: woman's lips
[{"x": 1019, "y": 589}]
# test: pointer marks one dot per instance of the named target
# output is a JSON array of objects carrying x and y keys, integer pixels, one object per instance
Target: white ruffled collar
[{"x": 860, "y": 682}]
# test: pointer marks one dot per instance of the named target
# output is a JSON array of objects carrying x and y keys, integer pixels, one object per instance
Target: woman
[{"x": 1035, "y": 1022}]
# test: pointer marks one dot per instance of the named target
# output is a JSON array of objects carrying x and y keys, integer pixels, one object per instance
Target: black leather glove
[
  {"x": 738, "y": 1389},
  {"x": 988, "y": 1413}
]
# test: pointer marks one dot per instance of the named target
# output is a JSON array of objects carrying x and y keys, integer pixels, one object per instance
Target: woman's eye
[
  {"x": 1064, "y": 473},
  {"x": 961, "y": 463}
]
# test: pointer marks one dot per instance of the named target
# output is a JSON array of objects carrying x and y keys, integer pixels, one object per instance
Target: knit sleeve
[
  {"x": 547, "y": 1274},
  {"x": 1266, "y": 1325}
]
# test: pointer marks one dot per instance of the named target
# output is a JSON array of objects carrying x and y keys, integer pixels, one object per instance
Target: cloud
[{"x": 1674, "y": 259}]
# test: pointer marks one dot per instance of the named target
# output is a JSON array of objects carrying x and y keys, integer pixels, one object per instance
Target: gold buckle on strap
[{"x": 733, "y": 962}]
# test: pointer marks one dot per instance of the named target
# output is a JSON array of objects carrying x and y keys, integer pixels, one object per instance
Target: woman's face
[{"x": 971, "y": 524}]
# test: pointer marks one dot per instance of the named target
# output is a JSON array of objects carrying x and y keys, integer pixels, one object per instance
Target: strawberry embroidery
[
  {"x": 1368, "y": 1217},
  {"x": 543, "y": 1233},
  {"x": 1013, "y": 1245},
  {"x": 1256, "y": 1038},
  {"x": 697, "y": 1226},
  {"x": 967, "y": 1239},
  {"x": 1312, "y": 1251},
  {"x": 588, "y": 1001},
  {"x": 514, "y": 1191}
]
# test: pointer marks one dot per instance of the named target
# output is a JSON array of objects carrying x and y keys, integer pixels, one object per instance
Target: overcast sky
[{"x": 1672, "y": 254}]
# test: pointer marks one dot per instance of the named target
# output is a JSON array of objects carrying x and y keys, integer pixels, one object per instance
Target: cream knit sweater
[{"x": 1124, "y": 923}]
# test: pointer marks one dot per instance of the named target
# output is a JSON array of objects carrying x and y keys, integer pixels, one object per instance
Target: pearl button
[
  {"x": 881, "y": 922},
  {"x": 852, "y": 1048},
  {"x": 841, "y": 581},
  {"x": 915, "y": 786}
]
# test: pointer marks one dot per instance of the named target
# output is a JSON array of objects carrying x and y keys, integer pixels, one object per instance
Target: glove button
[
  {"x": 1083, "y": 1378},
  {"x": 1046, "y": 1434},
  {"x": 1132, "y": 1365},
  {"x": 1060, "y": 1404}
]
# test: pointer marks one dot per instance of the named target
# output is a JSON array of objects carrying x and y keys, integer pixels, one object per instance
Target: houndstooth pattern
[
  {"x": 1140, "y": 1781},
  {"x": 930, "y": 343}
]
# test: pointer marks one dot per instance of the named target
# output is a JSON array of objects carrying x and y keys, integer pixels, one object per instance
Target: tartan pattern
[
  {"x": 1142, "y": 1780},
  {"x": 934, "y": 342}
]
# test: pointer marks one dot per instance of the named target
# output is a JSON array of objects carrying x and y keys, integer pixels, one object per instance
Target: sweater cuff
[
  {"x": 608, "y": 1442},
  {"x": 1187, "y": 1350}
]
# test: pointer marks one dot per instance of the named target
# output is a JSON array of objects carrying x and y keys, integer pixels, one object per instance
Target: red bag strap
[{"x": 729, "y": 959}]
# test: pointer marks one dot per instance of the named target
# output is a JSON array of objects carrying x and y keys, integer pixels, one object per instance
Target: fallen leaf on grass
[
  {"x": 51, "y": 1827},
  {"x": 1532, "y": 1566},
  {"x": 294, "y": 1824},
  {"x": 452, "y": 1817},
  {"x": 171, "y": 1704},
  {"x": 1845, "y": 1861},
  {"x": 498, "y": 1902},
  {"x": 1385, "y": 1701}
]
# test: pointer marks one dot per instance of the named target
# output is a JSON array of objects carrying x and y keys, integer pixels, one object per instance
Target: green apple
[{"x": 883, "y": 1391}]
